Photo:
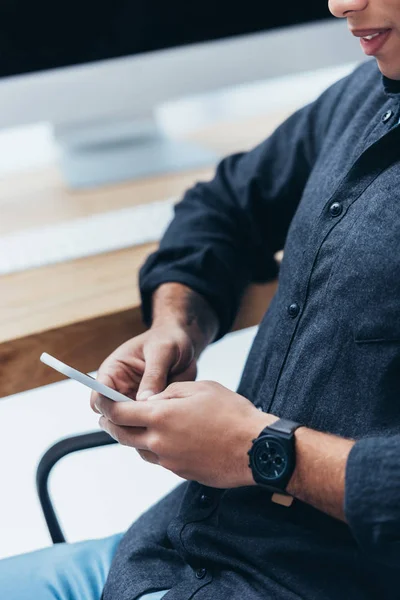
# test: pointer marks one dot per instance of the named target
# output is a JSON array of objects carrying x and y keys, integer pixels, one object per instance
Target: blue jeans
[{"x": 62, "y": 572}]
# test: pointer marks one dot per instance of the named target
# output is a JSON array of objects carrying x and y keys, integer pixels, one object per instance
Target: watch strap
[{"x": 283, "y": 426}]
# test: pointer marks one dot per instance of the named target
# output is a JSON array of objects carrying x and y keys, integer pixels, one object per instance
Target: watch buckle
[{"x": 282, "y": 499}]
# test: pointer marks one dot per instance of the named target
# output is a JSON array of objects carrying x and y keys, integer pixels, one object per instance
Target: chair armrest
[{"x": 49, "y": 459}]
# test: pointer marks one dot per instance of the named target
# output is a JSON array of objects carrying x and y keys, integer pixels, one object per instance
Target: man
[{"x": 324, "y": 369}]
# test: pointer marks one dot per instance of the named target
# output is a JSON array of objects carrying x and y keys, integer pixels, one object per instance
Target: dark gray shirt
[{"x": 325, "y": 186}]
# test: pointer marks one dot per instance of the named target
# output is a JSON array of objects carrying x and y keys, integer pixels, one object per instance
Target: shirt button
[
  {"x": 205, "y": 500},
  {"x": 293, "y": 309},
  {"x": 335, "y": 209},
  {"x": 201, "y": 573},
  {"x": 387, "y": 116}
]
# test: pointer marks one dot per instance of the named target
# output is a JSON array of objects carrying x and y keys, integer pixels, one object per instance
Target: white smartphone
[{"x": 87, "y": 380}]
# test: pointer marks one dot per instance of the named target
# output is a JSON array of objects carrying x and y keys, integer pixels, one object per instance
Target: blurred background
[{"x": 108, "y": 112}]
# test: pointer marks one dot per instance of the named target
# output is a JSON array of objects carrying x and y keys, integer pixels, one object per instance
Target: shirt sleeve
[
  {"x": 372, "y": 497},
  {"x": 225, "y": 232}
]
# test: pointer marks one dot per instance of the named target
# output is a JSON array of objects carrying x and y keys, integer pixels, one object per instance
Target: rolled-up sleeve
[
  {"x": 372, "y": 497},
  {"x": 225, "y": 232}
]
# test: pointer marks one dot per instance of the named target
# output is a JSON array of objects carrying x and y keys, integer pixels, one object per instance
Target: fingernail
[
  {"x": 144, "y": 395},
  {"x": 97, "y": 408}
]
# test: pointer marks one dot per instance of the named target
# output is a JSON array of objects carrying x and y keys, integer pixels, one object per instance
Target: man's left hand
[{"x": 199, "y": 430}]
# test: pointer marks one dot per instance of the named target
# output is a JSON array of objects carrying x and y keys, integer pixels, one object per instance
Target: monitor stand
[{"x": 101, "y": 153}]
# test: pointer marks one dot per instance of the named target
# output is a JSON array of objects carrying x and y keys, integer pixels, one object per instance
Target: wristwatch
[{"x": 272, "y": 457}]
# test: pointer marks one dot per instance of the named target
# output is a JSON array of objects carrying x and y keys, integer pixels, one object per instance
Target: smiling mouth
[{"x": 372, "y": 40}]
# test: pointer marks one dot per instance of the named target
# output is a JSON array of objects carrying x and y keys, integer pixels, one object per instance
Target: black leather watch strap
[{"x": 283, "y": 426}]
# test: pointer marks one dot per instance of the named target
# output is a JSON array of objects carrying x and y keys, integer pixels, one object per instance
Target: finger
[
  {"x": 129, "y": 414},
  {"x": 149, "y": 457},
  {"x": 178, "y": 389},
  {"x": 95, "y": 396},
  {"x": 127, "y": 436},
  {"x": 158, "y": 363}
]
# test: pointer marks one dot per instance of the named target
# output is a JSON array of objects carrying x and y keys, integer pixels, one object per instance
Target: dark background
[{"x": 39, "y": 35}]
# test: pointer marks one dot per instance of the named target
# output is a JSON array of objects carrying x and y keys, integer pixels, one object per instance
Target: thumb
[{"x": 158, "y": 362}]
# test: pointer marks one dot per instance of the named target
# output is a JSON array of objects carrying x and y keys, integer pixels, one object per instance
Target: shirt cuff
[{"x": 372, "y": 497}]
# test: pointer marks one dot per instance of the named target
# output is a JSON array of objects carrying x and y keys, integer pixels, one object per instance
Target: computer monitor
[{"x": 97, "y": 70}]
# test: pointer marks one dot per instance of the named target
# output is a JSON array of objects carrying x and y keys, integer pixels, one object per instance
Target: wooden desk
[{"x": 81, "y": 310}]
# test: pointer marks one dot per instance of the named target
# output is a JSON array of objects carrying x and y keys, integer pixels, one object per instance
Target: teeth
[{"x": 370, "y": 37}]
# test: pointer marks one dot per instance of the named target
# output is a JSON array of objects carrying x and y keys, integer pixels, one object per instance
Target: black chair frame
[{"x": 51, "y": 457}]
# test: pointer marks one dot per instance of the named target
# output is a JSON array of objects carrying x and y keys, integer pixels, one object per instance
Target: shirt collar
[{"x": 391, "y": 86}]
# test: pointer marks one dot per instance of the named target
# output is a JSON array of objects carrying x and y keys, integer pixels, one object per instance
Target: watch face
[{"x": 270, "y": 459}]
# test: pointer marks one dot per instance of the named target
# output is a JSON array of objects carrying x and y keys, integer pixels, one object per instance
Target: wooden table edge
[{"x": 86, "y": 344}]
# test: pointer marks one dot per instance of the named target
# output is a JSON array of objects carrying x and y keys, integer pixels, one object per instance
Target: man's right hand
[
  {"x": 183, "y": 325},
  {"x": 146, "y": 364}
]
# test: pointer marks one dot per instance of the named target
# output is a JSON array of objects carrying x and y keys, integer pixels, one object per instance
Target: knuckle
[
  {"x": 209, "y": 387},
  {"x": 164, "y": 416},
  {"x": 167, "y": 463},
  {"x": 180, "y": 471},
  {"x": 162, "y": 342},
  {"x": 158, "y": 414},
  {"x": 121, "y": 436},
  {"x": 156, "y": 444},
  {"x": 148, "y": 456},
  {"x": 176, "y": 388},
  {"x": 112, "y": 412},
  {"x": 207, "y": 384},
  {"x": 123, "y": 439},
  {"x": 93, "y": 400},
  {"x": 153, "y": 372},
  {"x": 142, "y": 454},
  {"x": 112, "y": 432},
  {"x": 156, "y": 347},
  {"x": 163, "y": 351}
]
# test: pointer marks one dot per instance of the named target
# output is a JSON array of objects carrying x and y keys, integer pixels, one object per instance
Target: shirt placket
[{"x": 368, "y": 166}]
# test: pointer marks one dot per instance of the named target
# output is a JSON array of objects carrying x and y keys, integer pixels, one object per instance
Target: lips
[
  {"x": 372, "y": 43},
  {"x": 364, "y": 32}
]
